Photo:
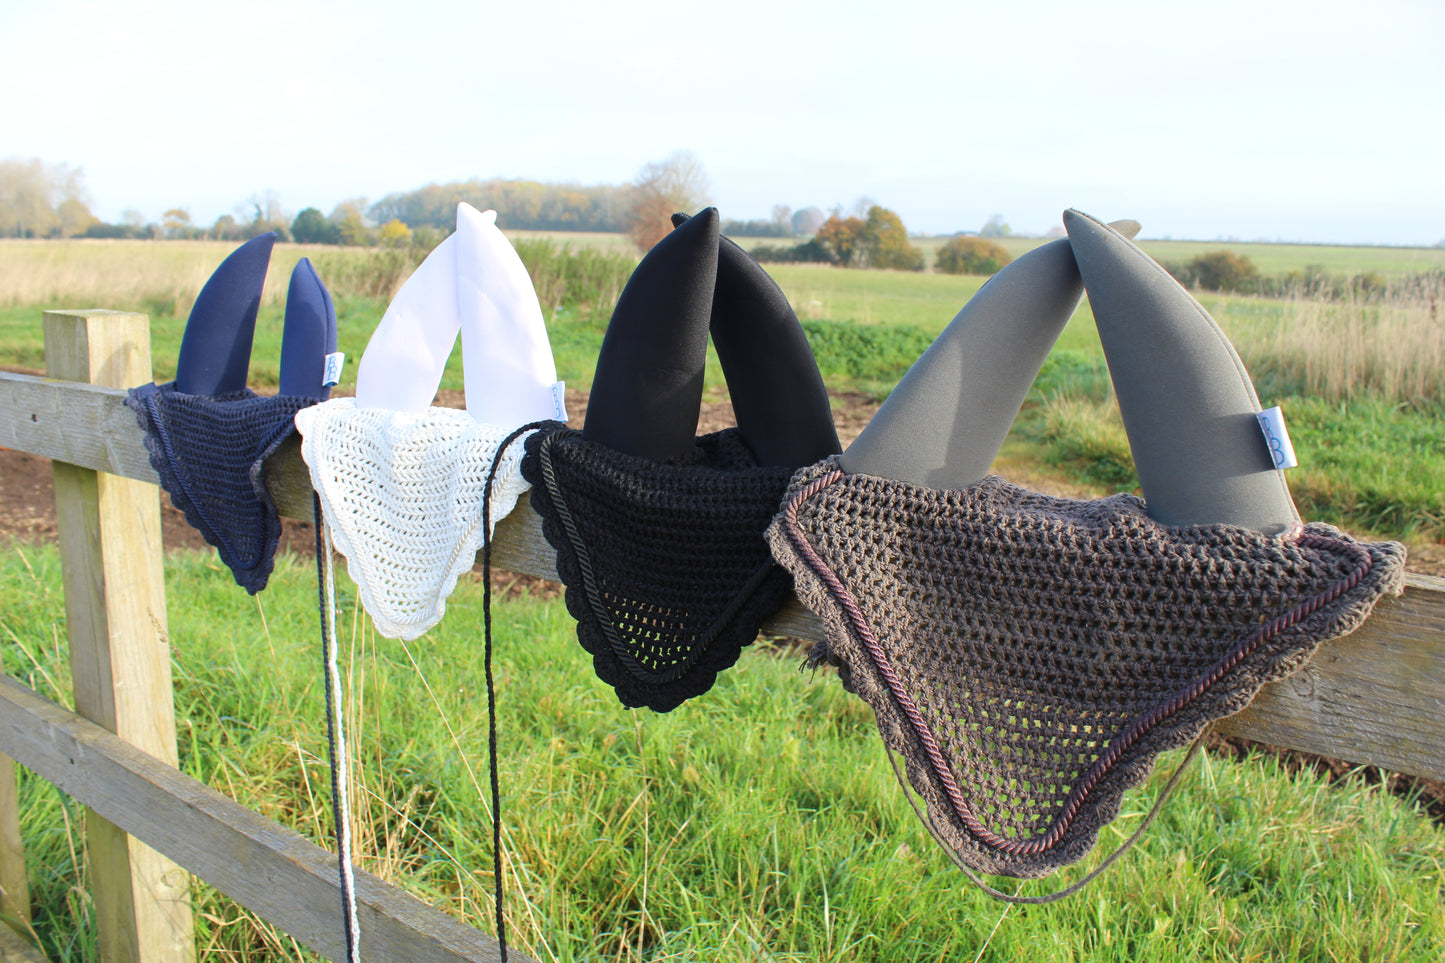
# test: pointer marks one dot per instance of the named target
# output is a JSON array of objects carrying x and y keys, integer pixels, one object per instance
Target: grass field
[
  {"x": 1362, "y": 384},
  {"x": 1270, "y": 259},
  {"x": 761, "y": 822}
]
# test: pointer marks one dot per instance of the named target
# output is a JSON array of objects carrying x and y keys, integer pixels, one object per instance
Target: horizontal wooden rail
[
  {"x": 251, "y": 859},
  {"x": 1376, "y": 697}
]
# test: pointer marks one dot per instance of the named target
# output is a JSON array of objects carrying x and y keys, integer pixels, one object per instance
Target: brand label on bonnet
[
  {"x": 331, "y": 376},
  {"x": 559, "y": 400},
  {"x": 1271, "y": 422}
]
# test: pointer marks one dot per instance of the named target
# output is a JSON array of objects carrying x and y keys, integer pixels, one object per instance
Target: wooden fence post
[
  {"x": 14, "y": 884},
  {"x": 115, "y": 610}
]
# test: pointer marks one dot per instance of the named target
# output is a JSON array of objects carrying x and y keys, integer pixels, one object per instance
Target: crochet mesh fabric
[
  {"x": 402, "y": 493},
  {"x": 1029, "y": 656},
  {"x": 209, "y": 452},
  {"x": 666, "y": 570}
]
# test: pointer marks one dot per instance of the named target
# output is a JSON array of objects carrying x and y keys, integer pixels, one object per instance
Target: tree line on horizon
[{"x": 40, "y": 200}]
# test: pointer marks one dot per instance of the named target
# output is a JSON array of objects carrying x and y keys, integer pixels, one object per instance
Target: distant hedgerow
[{"x": 971, "y": 255}]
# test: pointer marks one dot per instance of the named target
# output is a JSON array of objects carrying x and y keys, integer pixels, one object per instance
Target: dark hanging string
[
  {"x": 335, "y": 740},
  {"x": 1073, "y": 888},
  {"x": 487, "y": 663}
]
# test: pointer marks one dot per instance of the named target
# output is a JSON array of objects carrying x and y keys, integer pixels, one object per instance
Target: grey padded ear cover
[
  {"x": 1186, "y": 399},
  {"x": 944, "y": 423}
]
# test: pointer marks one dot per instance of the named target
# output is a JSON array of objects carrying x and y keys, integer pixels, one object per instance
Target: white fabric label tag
[
  {"x": 331, "y": 377},
  {"x": 1271, "y": 422},
  {"x": 559, "y": 400}
]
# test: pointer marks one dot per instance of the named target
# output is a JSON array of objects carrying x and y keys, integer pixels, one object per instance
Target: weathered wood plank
[
  {"x": 14, "y": 883},
  {"x": 109, "y": 528},
  {"x": 263, "y": 866},
  {"x": 77, "y": 424},
  {"x": 1378, "y": 696},
  {"x": 14, "y": 948}
]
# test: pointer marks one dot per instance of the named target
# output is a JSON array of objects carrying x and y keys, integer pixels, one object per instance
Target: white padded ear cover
[
  {"x": 402, "y": 483},
  {"x": 408, "y": 351},
  {"x": 505, "y": 352}
]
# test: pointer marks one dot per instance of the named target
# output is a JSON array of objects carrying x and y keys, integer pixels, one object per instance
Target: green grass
[
  {"x": 760, "y": 821},
  {"x": 1360, "y": 382}
]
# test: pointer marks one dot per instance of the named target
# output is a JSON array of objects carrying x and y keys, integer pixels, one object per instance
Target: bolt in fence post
[{"x": 115, "y": 612}]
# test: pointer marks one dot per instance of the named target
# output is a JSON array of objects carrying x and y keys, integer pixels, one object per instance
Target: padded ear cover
[
  {"x": 404, "y": 360},
  {"x": 647, "y": 391},
  {"x": 216, "y": 348},
  {"x": 1187, "y": 401},
  {"x": 777, "y": 393},
  {"x": 309, "y": 335},
  {"x": 506, "y": 356},
  {"x": 945, "y": 422}
]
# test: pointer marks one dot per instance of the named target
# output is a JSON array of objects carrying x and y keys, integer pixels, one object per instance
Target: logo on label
[
  {"x": 1271, "y": 422},
  {"x": 331, "y": 376},
  {"x": 559, "y": 400}
]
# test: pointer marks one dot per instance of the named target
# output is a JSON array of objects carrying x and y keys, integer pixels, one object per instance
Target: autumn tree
[
  {"x": 75, "y": 217},
  {"x": 393, "y": 233},
  {"x": 885, "y": 240},
  {"x": 176, "y": 222},
  {"x": 32, "y": 193},
  {"x": 843, "y": 238},
  {"x": 880, "y": 241},
  {"x": 971, "y": 255},
  {"x": 351, "y": 227},
  {"x": 661, "y": 189},
  {"x": 1224, "y": 271},
  {"x": 225, "y": 229}
]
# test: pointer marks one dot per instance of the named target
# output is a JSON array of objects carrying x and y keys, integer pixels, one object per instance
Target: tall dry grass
[
  {"x": 157, "y": 277},
  {"x": 1390, "y": 347},
  {"x": 162, "y": 278}
]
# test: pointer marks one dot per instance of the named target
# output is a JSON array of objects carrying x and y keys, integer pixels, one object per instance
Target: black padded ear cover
[
  {"x": 647, "y": 391},
  {"x": 777, "y": 393}
]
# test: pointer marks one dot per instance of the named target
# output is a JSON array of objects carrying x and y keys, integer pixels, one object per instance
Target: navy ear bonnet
[{"x": 208, "y": 435}]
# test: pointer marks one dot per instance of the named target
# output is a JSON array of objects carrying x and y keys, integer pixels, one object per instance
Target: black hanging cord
[{"x": 487, "y": 662}]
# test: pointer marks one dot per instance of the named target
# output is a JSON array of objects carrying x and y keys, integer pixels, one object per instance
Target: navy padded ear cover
[
  {"x": 309, "y": 335},
  {"x": 216, "y": 348},
  {"x": 647, "y": 391}
]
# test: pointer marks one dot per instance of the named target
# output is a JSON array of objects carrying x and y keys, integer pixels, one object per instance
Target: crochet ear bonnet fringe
[
  {"x": 208, "y": 435},
  {"x": 659, "y": 536},
  {"x": 402, "y": 483},
  {"x": 209, "y": 454},
  {"x": 1027, "y": 656},
  {"x": 666, "y": 571}
]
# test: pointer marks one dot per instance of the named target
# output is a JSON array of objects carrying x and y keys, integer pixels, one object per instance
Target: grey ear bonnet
[
  {"x": 1187, "y": 402},
  {"x": 944, "y": 423},
  {"x": 1028, "y": 657}
]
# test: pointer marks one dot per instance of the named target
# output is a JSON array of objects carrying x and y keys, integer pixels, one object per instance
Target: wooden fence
[{"x": 1376, "y": 697}]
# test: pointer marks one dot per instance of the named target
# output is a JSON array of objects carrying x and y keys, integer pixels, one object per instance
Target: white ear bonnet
[{"x": 401, "y": 483}]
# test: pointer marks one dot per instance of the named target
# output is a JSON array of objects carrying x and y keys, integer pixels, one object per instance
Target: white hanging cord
[{"x": 335, "y": 733}]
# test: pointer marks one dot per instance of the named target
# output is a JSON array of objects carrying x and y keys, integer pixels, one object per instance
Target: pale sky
[{"x": 1318, "y": 121}]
